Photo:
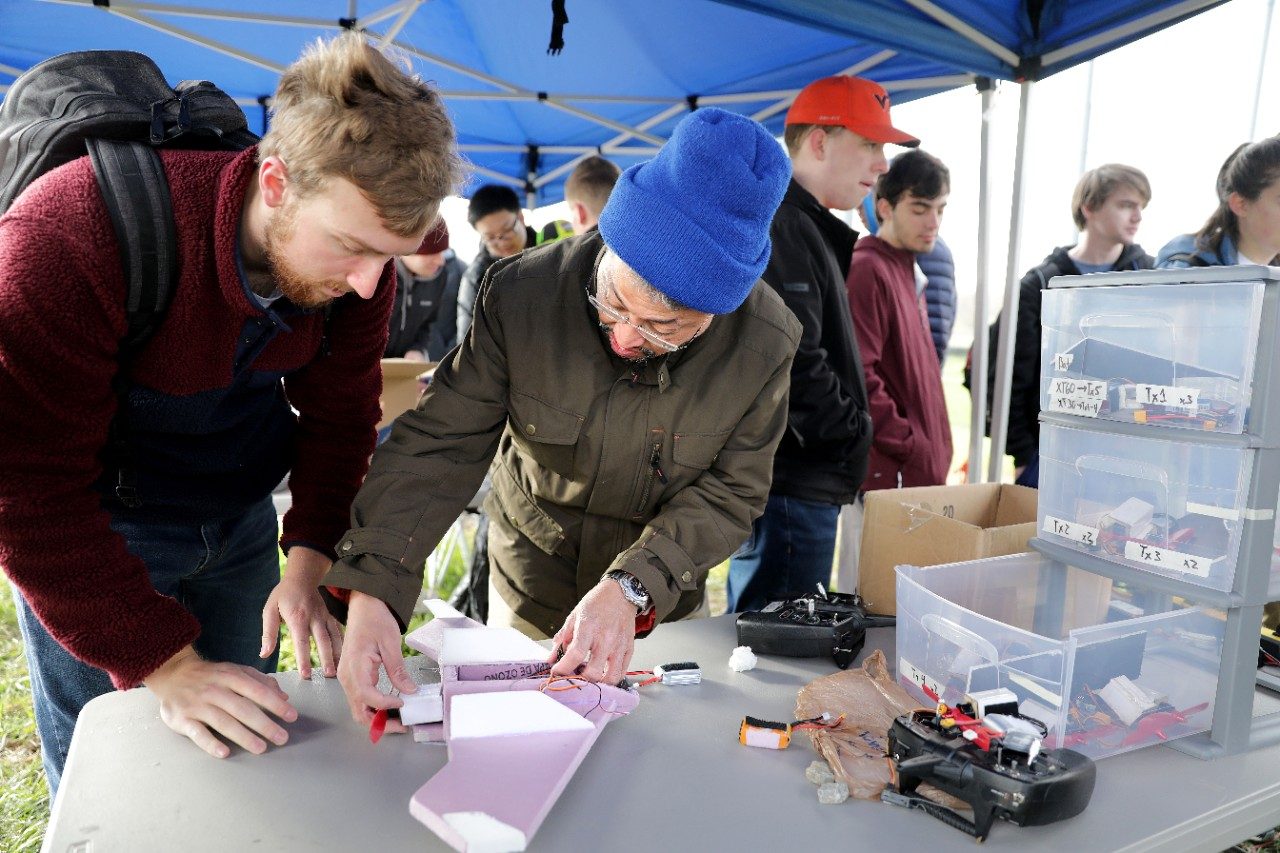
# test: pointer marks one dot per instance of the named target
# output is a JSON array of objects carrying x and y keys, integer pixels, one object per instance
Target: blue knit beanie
[{"x": 694, "y": 220}]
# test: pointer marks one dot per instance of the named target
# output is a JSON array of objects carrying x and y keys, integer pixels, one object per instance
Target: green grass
[{"x": 24, "y": 800}]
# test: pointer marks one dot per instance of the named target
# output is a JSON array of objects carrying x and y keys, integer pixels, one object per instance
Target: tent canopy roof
[{"x": 628, "y": 71}]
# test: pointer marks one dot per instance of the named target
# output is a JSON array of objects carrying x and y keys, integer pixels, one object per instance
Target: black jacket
[
  {"x": 823, "y": 454},
  {"x": 424, "y": 316},
  {"x": 1023, "y": 437}
]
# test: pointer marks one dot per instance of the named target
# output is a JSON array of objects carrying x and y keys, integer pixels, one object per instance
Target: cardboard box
[
  {"x": 931, "y": 525},
  {"x": 401, "y": 387}
]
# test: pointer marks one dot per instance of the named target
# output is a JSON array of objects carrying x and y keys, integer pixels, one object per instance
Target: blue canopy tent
[
  {"x": 628, "y": 71},
  {"x": 626, "y": 74}
]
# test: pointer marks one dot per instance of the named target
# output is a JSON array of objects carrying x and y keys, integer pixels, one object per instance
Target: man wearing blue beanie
[{"x": 632, "y": 382}]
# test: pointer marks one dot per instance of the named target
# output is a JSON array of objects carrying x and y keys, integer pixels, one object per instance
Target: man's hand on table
[
  {"x": 600, "y": 633},
  {"x": 296, "y": 600},
  {"x": 373, "y": 641},
  {"x": 198, "y": 698}
]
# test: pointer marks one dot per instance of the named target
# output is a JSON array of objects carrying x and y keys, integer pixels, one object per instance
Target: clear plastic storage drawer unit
[
  {"x": 1175, "y": 508},
  {"x": 1180, "y": 356},
  {"x": 1104, "y": 671}
]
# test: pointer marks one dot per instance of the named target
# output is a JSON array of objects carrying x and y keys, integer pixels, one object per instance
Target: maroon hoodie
[{"x": 911, "y": 436}]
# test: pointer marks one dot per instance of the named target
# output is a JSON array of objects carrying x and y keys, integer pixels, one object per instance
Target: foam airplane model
[{"x": 515, "y": 735}]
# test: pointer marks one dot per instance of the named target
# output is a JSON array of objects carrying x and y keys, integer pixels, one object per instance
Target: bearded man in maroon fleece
[{"x": 281, "y": 305}]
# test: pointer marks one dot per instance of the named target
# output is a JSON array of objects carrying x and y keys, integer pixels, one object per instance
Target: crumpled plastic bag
[{"x": 870, "y": 700}]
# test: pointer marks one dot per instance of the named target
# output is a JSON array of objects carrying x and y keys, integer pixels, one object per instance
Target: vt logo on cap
[{"x": 850, "y": 102}]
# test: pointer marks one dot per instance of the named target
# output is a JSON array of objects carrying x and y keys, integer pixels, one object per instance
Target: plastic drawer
[
  {"x": 1174, "y": 508},
  {"x": 1168, "y": 356},
  {"x": 1065, "y": 641}
]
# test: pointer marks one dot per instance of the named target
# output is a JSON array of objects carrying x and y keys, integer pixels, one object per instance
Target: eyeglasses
[
  {"x": 615, "y": 316},
  {"x": 490, "y": 239}
]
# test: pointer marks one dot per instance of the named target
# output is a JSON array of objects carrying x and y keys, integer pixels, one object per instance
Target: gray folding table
[{"x": 670, "y": 777}]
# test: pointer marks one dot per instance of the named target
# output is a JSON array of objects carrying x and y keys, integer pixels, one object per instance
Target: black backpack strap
[{"x": 136, "y": 193}]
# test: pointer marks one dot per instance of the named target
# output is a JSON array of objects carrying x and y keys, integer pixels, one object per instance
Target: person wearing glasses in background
[
  {"x": 494, "y": 211},
  {"x": 632, "y": 382}
]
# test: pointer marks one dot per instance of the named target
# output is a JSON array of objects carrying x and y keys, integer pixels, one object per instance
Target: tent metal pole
[
  {"x": 855, "y": 69},
  {"x": 1262, "y": 67},
  {"x": 1149, "y": 22},
  {"x": 745, "y": 97},
  {"x": 974, "y": 35},
  {"x": 394, "y": 30},
  {"x": 496, "y": 148},
  {"x": 389, "y": 11},
  {"x": 194, "y": 38},
  {"x": 978, "y": 391},
  {"x": 510, "y": 87},
  {"x": 1088, "y": 117},
  {"x": 214, "y": 14},
  {"x": 497, "y": 176},
  {"x": 1009, "y": 314},
  {"x": 601, "y": 120},
  {"x": 526, "y": 95},
  {"x": 608, "y": 147}
]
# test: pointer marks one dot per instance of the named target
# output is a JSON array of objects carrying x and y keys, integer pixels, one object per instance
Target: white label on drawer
[
  {"x": 1225, "y": 513},
  {"x": 1062, "y": 361},
  {"x": 1084, "y": 389},
  {"x": 1077, "y": 396},
  {"x": 907, "y": 670},
  {"x": 1082, "y": 533},
  {"x": 1074, "y": 406},
  {"x": 1142, "y": 552},
  {"x": 1187, "y": 399}
]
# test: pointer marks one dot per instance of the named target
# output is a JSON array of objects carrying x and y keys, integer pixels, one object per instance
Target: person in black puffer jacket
[{"x": 1107, "y": 207}]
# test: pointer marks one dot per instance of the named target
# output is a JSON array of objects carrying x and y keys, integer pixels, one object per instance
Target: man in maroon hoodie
[
  {"x": 911, "y": 443},
  {"x": 266, "y": 362}
]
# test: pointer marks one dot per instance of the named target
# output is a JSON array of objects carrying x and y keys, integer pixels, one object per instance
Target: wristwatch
[{"x": 632, "y": 589}]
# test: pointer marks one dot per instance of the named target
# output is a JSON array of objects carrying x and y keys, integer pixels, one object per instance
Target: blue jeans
[
  {"x": 222, "y": 572},
  {"x": 1031, "y": 474},
  {"x": 790, "y": 551}
]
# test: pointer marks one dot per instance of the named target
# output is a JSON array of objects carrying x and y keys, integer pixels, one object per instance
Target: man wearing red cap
[
  {"x": 152, "y": 558},
  {"x": 836, "y": 131}
]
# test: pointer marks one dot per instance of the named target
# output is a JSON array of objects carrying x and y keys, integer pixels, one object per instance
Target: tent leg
[
  {"x": 978, "y": 393},
  {"x": 1009, "y": 314}
]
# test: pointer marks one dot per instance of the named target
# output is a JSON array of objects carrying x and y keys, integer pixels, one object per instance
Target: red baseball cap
[
  {"x": 850, "y": 102},
  {"x": 437, "y": 239}
]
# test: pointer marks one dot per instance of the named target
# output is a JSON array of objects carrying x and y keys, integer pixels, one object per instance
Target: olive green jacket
[{"x": 658, "y": 469}]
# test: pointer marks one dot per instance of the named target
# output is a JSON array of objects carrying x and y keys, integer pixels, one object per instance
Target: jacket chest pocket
[
  {"x": 697, "y": 450},
  {"x": 546, "y": 434}
]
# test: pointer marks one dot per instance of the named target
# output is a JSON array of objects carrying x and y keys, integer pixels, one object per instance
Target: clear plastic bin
[
  {"x": 1065, "y": 641},
  {"x": 1174, "y": 508},
  {"x": 1173, "y": 356}
]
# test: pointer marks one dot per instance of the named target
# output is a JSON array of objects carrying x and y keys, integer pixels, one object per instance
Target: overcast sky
[{"x": 1174, "y": 104}]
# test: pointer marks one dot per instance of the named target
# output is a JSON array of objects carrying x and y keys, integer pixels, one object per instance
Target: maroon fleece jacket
[
  {"x": 911, "y": 435},
  {"x": 62, "y": 299}
]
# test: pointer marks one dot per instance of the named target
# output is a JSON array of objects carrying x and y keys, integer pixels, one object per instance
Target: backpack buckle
[{"x": 127, "y": 489}]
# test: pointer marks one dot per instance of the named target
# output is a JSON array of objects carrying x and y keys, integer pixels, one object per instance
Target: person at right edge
[
  {"x": 1244, "y": 229},
  {"x": 836, "y": 131}
]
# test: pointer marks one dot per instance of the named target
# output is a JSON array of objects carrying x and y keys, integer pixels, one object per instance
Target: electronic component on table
[
  {"x": 984, "y": 752},
  {"x": 684, "y": 672},
  {"x": 768, "y": 734},
  {"x": 815, "y": 625}
]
